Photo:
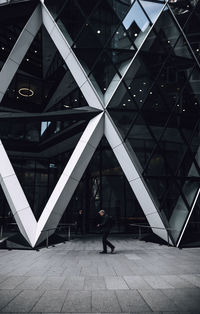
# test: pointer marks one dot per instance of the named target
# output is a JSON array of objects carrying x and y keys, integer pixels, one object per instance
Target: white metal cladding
[{"x": 96, "y": 128}]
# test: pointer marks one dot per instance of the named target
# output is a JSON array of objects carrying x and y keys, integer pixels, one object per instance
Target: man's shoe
[
  {"x": 103, "y": 252},
  {"x": 112, "y": 250}
]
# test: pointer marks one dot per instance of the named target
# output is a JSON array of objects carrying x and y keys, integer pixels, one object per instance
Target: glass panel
[
  {"x": 103, "y": 71},
  {"x": 152, "y": 9},
  {"x": 192, "y": 232},
  {"x": 136, "y": 23},
  {"x": 11, "y": 25},
  {"x": 182, "y": 9},
  {"x": 170, "y": 198},
  {"x": 71, "y": 20},
  {"x": 123, "y": 120},
  {"x": 121, "y": 8},
  {"x": 124, "y": 98}
]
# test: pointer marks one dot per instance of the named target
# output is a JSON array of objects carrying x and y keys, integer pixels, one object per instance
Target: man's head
[
  {"x": 80, "y": 211},
  {"x": 101, "y": 212}
]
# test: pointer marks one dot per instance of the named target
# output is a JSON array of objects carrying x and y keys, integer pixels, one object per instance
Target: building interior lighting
[{"x": 26, "y": 92}]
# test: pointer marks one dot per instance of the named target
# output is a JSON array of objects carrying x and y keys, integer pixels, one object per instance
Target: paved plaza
[{"x": 72, "y": 277}]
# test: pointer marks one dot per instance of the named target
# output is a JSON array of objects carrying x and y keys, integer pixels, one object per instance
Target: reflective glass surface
[{"x": 12, "y": 20}]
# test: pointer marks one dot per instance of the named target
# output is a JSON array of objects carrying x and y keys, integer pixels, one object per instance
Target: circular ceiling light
[{"x": 26, "y": 92}]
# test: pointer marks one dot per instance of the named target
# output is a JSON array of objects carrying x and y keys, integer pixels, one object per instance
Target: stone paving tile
[
  {"x": 30, "y": 283},
  {"x": 94, "y": 283},
  {"x": 186, "y": 299},
  {"x": 6, "y": 296},
  {"x": 77, "y": 302},
  {"x": 51, "y": 301},
  {"x": 177, "y": 281},
  {"x": 72, "y": 270},
  {"x": 115, "y": 283},
  {"x": 89, "y": 271},
  {"x": 193, "y": 279},
  {"x": 157, "y": 300},
  {"x": 12, "y": 282},
  {"x": 73, "y": 283},
  {"x": 105, "y": 270},
  {"x": 136, "y": 282},
  {"x": 24, "y": 301},
  {"x": 131, "y": 301},
  {"x": 51, "y": 282},
  {"x": 3, "y": 278},
  {"x": 105, "y": 301},
  {"x": 157, "y": 282},
  {"x": 121, "y": 270}
]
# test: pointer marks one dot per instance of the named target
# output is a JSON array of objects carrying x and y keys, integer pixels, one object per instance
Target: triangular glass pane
[
  {"x": 70, "y": 19},
  {"x": 152, "y": 9},
  {"x": 162, "y": 34},
  {"x": 188, "y": 105},
  {"x": 123, "y": 98},
  {"x": 103, "y": 71},
  {"x": 183, "y": 206},
  {"x": 174, "y": 147},
  {"x": 123, "y": 119},
  {"x": 55, "y": 7},
  {"x": 103, "y": 21},
  {"x": 121, "y": 8},
  {"x": 104, "y": 186},
  {"x": 171, "y": 197},
  {"x": 191, "y": 234},
  {"x": 138, "y": 136},
  {"x": 12, "y": 22},
  {"x": 182, "y": 10},
  {"x": 121, "y": 40}
]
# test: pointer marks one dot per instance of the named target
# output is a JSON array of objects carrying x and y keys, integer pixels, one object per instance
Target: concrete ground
[{"x": 73, "y": 277}]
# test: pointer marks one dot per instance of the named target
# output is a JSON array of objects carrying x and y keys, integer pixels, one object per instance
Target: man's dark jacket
[{"x": 105, "y": 225}]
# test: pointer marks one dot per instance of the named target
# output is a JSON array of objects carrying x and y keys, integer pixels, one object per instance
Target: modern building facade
[{"x": 99, "y": 109}]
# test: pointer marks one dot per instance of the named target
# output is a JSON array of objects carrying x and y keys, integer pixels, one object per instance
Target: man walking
[{"x": 106, "y": 227}]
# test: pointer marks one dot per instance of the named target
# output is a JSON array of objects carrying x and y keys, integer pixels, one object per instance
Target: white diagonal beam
[
  {"x": 16, "y": 198},
  {"x": 92, "y": 97},
  {"x": 70, "y": 177},
  {"x": 132, "y": 170},
  {"x": 19, "y": 50}
]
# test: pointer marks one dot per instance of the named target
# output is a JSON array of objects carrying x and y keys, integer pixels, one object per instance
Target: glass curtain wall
[{"x": 145, "y": 54}]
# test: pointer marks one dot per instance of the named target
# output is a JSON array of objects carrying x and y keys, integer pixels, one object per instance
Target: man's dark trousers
[{"x": 106, "y": 242}]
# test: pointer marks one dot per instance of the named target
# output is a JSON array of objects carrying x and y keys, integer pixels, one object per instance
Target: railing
[
  {"x": 146, "y": 226},
  {"x": 6, "y": 224},
  {"x": 61, "y": 226}
]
